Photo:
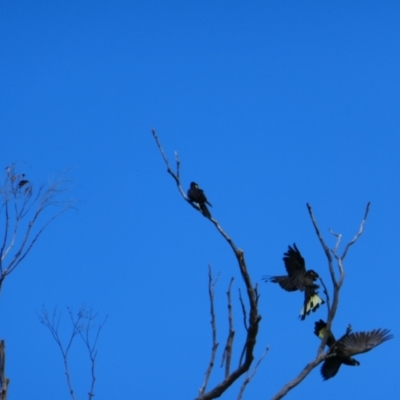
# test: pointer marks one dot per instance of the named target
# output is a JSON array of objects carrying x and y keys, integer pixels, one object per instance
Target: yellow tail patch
[{"x": 312, "y": 305}]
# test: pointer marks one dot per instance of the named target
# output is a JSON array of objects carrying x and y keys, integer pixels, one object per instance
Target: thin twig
[
  {"x": 243, "y": 310},
  {"x": 176, "y": 176},
  {"x": 251, "y": 376},
  {"x": 178, "y": 164},
  {"x": 53, "y": 326},
  {"x": 92, "y": 350},
  {"x": 338, "y": 237},
  {"x": 244, "y": 321},
  {"x": 323, "y": 244},
  {"x": 359, "y": 233},
  {"x": 227, "y": 356},
  {"x": 211, "y": 288},
  {"x": 327, "y": 298},
  {"x": 6, "y": 230}
]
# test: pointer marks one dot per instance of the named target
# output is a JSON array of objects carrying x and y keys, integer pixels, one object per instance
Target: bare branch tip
[{"x": 367, "y": 209}]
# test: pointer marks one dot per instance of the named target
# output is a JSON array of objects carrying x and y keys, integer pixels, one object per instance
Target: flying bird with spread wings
[
  {"x": 348, "y": 345},
  {"x": 298, "y": 278},
  {"x": 196, "y": 195}
]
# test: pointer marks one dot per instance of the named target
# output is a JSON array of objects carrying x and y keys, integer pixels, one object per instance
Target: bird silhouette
[
  {"x": 348, "y": 345},
  {"x": 298, "y": 278},
  {"x": 196, "y": 195}
]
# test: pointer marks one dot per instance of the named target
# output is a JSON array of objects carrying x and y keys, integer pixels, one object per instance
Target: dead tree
[
  {"x": 331, "y": 305},
  {"x": 252, "y": 294},
  {"x": 25, "y": 213}
]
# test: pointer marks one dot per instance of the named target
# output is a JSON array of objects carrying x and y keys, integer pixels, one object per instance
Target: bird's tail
[
  {"x": 205, "y": 210},
  {"x": 311, "y": 304},
  {"x": 320, "y": 328},
  {"x": 320, "y": 331}
]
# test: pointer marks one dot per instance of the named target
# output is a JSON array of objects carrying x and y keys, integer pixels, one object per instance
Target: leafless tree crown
[
  {"x": 84, "y": 326},
  {"x": 23, "y": 211},
  {"x": 251, "y": 322}
]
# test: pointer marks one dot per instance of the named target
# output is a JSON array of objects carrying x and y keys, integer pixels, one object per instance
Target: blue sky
[{"x": 270, "y": 105}]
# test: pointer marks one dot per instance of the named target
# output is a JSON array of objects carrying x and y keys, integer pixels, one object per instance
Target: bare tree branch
[
  {"x": 227, "y": 355},
  {"x": 82, "y": 324},
  {"x": 251, "y": 376},
  {"x": 176, "y": 176},
  {"x": 338, "y": 240},
  {"x": 19, "y": 203},
  {"x": 327, "y": 298},
  {"x": 92, "y": 350},
  {"x": 359, "y": 233},
  {"x": 337, "y": 284},
  {"x": 53, "y": 325},
  {"x": 254, "y": 317},
  {"x": 243, "y": 310},
  {"x": 21, "y": 212},
  {"x": 323, "y": 244},
  {"x": 211, "y": 287},
  {"x": 307, "y": 369}
]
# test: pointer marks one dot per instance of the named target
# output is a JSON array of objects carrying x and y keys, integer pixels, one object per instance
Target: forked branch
[
  {"x": 211, "y": 291},
  {"x": 227, "y": 356},
  {"x": 249, "y": 377},
  {"x": 23, "y": 213},
  {"x": 254, "y": 317},
  {"x": 82, "y": 324},
  {"x": 337, "y": 284}
]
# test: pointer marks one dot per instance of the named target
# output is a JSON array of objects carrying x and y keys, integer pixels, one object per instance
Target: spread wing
[
  {"x": 361, "y": 342},
  {"x": 294, "y": 262},
  {"x": 285, "y": 282}
]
